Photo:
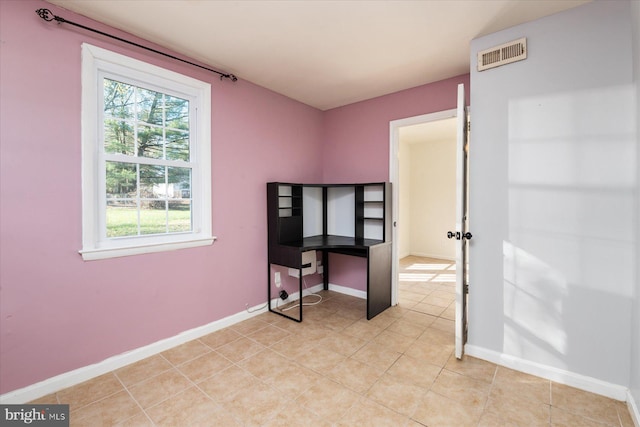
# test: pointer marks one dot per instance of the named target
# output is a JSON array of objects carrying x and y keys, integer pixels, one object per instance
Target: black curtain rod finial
[{"x": 48, "y": 16}]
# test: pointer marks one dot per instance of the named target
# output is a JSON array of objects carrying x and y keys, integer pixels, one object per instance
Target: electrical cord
[{"x": 304, "y": 282}]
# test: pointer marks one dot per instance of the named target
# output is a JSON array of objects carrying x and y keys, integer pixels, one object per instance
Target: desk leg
[
  {"x": 325, "y": 269},
  {"x": 378, "y": 279}
]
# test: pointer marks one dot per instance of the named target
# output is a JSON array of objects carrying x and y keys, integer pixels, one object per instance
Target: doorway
[{"x": 422, "y": 171}]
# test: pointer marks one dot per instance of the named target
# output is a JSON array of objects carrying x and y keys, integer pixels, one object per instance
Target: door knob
[
  {"x": 467, "y": 236},
  {"x": 451, "y": 235}
]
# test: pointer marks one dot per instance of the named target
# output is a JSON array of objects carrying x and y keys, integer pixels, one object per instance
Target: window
[{"x": 146, "y": 157}]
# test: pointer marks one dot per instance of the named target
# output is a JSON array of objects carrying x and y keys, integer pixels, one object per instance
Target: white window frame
[{"x": 97, "y": 63}]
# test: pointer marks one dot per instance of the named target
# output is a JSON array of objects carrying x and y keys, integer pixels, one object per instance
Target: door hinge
[
  {"x": 469, "y": 126},
  {"x": 466, "y": 289}
]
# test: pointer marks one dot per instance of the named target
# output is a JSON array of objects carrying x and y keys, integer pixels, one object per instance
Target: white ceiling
[{"x": 322, "y": 53}]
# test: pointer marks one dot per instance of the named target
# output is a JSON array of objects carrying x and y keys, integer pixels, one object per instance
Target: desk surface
[{"x": 333, "y": 242}]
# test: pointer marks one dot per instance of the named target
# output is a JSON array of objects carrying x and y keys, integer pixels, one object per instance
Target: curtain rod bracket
[{"x": 48, "y": 16}]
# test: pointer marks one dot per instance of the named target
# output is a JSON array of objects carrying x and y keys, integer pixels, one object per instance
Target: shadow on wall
[{"x": 568, "y": 264}]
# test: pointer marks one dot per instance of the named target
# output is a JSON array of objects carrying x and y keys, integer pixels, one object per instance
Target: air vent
[{"x": 503, "y": 54}]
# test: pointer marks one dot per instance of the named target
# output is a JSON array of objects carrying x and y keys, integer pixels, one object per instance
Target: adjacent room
[{"x": 456, "y": 233}]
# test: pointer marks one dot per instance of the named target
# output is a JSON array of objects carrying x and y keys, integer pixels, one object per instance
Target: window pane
[
  {"x": 150, "y": 142},
  {"x": 179, "y": 216},
  {"x": 122, "y": 218},
  {"x": 118, "y": 137},
  {"x": 153, "y": 217},
  {"x": 121, "y": 180},
  {"x": 177, "y": 113},
  {"x": 118, "y": 99},
  {"x": 150, "y": 106},
  {"x": 177, "y": 145},
  {"x": 152, "y": 182},
  {"x": 179, "y": 183}
]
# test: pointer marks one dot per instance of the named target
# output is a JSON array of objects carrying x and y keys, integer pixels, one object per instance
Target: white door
[{"x": 461, "y": 233}]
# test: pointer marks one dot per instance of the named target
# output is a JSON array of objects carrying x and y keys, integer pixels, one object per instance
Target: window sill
[{"x": 96, "y": 254}]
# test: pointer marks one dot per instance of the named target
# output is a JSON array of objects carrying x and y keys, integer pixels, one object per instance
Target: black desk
[{"x": 286, "y": 241}]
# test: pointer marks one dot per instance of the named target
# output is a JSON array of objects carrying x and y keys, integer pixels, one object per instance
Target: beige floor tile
[
  {"x": 90, "y": 391},
  {"x": 143, "y": 370},
  {"x": 341, "y": 343},
  {"x": 297, "y": 416},
  {"x": 625, "y": 414},
  {"x": 269, "y": 335},
  {"x": 472, "y": 367},
  {"x": 438, "y": 335},
  {"x": 295, "y": 346},
  {"x": 265, "y": 364},
  {"x": 227, "y": 384},
  {"x": 220, "y": 338},
  {"x": 204, "y": 366},
  {"x": 240, "y": 349},
  {"x": 397, "y": 393},
  {"x": 49, "y": 399},
  {"x": 438, "y": 300},
  {"x": 366, "y": 412},
  {"x": 434, "y": 353},
  {"x": 519, "y": 412},
  {"x": 159, "y": 388},
  {"x": 394, "y": 341},
  {"x": 363, "y": 330},
  {"x": 185, "y": 352},
  {"x": 376, "y": 355},
  {"x": 406, "y": 328},
  {"x": 444, "y": 325},
  {"x": 438, "y": 411},
  {"x": 416, "y": 371},
  {"x": 355, "y": 375},
  {"x": 294, "y": 381},
  {"x": 321, "y": 359},
  {"x": 141, "y": 420},
  {"x": 111, "y": 410},
  {"x": 255, "y": 405},
  {"x": 514, "y": 384},
  {"x": 421, "y": 319},
  {"x": 562, "y": 418},
  {"x": 459, "y": 387},
  {"x": 190, "y": 408},
  {"x": 589, "y": 405},
  {"x": 328, "y": 399}
]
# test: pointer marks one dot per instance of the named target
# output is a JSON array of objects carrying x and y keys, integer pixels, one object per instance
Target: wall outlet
[{"x": 278, "y": 280}]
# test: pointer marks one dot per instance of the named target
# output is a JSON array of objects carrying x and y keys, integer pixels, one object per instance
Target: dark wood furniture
[{"x": 350, "y": 219}]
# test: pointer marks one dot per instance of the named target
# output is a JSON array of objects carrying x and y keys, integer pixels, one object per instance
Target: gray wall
[
  {"x": 635, "y": 341},
  {"x": 553, "y": 196}
]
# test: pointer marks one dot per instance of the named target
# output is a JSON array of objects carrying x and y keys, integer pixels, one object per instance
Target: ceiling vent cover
[{"x": 503, "y": 54}]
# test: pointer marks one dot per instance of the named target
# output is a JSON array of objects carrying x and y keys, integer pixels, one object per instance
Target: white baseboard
[
  {"x": 71, "y": 378},
  {"x": 633, "y": 409},
  {"x": 77, "y": 376},
  {"x": 583, "y": 382}
]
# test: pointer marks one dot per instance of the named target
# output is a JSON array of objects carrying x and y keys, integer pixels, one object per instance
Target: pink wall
[
  {"x": 58, "y": 313},
  {"x": 356, "y": 147}
]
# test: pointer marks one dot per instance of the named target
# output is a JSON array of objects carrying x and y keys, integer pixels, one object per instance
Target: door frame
[{"x": 394, "y": 178}]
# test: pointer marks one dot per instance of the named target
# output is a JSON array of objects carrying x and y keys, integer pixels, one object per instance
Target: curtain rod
[{"x": 48, "y": 16}]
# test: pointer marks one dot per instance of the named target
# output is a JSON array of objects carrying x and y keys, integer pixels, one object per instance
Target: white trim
[
  {"x": 95, "y": 254},
  {"x": 633, "y": 409},
  {"x": 77, "y": 376},
  {"x": 97, "y": 62},
  {"x": 561, "y": 376},
  {"x": 71, "y": 378},
  {"x": 348, "y": 291}
]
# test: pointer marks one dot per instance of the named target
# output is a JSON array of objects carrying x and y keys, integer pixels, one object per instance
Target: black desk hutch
[{"x": 350, "y": 219}]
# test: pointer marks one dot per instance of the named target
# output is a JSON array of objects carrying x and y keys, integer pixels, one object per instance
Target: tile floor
[{"x": 336, "y": 369}]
